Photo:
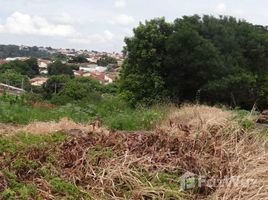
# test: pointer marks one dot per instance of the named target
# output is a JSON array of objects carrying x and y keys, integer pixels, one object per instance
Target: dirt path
[
  {"x": 64, "y": 125},
  {"x": 6, "y": 129}
]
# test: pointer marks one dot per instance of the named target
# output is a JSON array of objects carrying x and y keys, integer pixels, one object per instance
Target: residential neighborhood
[{"x": 90, "y": 67}]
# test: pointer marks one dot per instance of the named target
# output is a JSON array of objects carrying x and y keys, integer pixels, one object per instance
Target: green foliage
[
  {"x": 30, "y": 98},
  {"x": 222, "y": 60},
  {"x": 106, "y": 60},
  {"x": 65, "y": 188},
  {"x": 142, "y": 77},
  {"x": 237, "y": 90},
  {"x": 17, "y": 146},
  {"x": 34, "y": 68},
  {"x": 15, "y": 51},
  {"x": 78, "y": 89},
  {"x": 21, "y": 191},
  {"x": 22, "y": 141},
  {"x": 112, "y": 88},
  {"x": 79, "y": 59},
  {"x": 60, "y": 57},
  {"x": 142, "y": 118},
  {"x": 99, "y": 153},
  {"x": 58, "y": 68},
  {"x": 28, "y": 68},
  {"x": 54, "y": 85},
  {"x": 113, "y": 111},
  {"x": 191, "y": 61},
  {"x": 244, "y": 118},
  {"x": 13, "y": 78}
]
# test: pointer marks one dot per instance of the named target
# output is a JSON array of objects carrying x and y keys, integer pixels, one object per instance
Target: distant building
[
  {"x": 92, "y": 68},
  {"x": 93, "y": 59},
  {"x": 3, "y": 61},
  {"x": 38, "y": 81},
  {"x": 79, "y": 73},
  {"x": 16, "y": 58},
  {"x": 43, "y": 64},
  {"x": 101, "y": 77},
  {"x": 43, "y": 71}
]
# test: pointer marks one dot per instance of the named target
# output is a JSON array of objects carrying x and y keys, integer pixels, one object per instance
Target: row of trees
[
  {"x": 215, "y": 60},
  {"x": 106, "y": 60},
  {"x": 16, "y": 51},
  {"x": 17, "y": 73},
  {"x": 28, "y": 68}
]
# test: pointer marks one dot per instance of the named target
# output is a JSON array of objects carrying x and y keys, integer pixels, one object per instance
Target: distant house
[
  {"x": 3, "y": 61},
  {"x": 11, "y": 89},
  {"x": 92, "y": 68},
  {"x": 101, "y": 77},
  {"x": 43, "y": 71},
  {"x": 16, "y": 58},
  {"x": 93, "y": 59},
  {"x": 43, "y": 64},
  {"x": 108, "y": 80},
  {"x": 38, "y": 81},
  {"x": 87, "y": 74},
  {"x": 79, "y": 73}
]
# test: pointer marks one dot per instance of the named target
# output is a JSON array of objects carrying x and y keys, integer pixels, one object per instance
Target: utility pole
[
  {"x": 55, "y": 88},
  {"x": 22, "y": 84}
]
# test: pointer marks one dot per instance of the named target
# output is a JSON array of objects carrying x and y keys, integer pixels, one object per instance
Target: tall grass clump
[{"x": 114, "y": 112}]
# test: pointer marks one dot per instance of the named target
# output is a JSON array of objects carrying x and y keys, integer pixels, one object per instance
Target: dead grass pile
[
  {"x": 242, "y": 158},
  {"x": 52, "y": 127},
  {"x": 6, "y": 129},
  {"x": 128, "y": 165},
  {"x": 196, "y": 118},
  {"x": 64, "y": 125},
  {"x": 251, "y": 181}
]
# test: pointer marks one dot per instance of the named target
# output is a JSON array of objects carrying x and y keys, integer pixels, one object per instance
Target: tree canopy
[
  {"x": 79, "y": 59},
  {"x": 11, "y": 77},
  {"x": 64, "y": 89},
  {"x": 28, "y": 68},
  {"x": 58, "y": 68},
  {"x": 16, "y": 51},
  {"x": 106, "y": 60},
  {"x": 215, "y": 60}
]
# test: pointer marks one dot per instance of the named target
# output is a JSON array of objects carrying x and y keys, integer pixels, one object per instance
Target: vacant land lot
[{"x": 66, "y": 160}]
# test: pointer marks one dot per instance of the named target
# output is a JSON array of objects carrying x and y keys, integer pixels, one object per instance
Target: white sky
[{"x": 103, "y": 24}]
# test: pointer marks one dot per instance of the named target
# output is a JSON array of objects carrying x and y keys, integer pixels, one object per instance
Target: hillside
[{"x": 67, "y": 160}]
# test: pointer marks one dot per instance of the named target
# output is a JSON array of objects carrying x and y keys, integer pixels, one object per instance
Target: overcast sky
[{"x": 103, "y": 24}]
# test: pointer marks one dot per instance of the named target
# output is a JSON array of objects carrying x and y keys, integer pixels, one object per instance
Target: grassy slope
[
  {"x": 114, "y": 113},
  {"x": 200, "y": 139}
]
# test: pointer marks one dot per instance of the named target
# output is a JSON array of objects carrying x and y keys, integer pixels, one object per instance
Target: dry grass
[
  {"x": 245, "y": 150},
  {"x": 195, "y": 117},
  {"x": 252, "y": 159},
  {"x": 63, "y": 125},
  {"x": 8, "y": 129},
  {"x": 127, "y": 165}
]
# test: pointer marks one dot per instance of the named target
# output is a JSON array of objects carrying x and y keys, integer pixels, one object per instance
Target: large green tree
[
  {"x": 190, "y": 63},
  {"x": 218, "y": 60},
  {"x": 143, "y": 69}
]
